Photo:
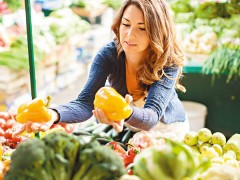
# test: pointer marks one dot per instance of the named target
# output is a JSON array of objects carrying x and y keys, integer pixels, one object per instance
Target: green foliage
[
  {"x": 181, "y": 6},
  {"x": 13, "y": 4},
  {"x": 16, "y": 57},
  {"x": 224, "y": 61},
  {"x": 98, "y": 163},
  {"x": 115, "y": 4}
]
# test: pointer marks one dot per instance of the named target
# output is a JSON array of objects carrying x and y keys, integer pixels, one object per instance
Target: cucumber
[
  {"x": 114, "y": 134},
  {"x": 109, "y": 133},
  {"x": 126, "y": 137}
]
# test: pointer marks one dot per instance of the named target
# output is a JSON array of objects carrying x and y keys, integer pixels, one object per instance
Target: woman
[{"x": 143, "y": 63}]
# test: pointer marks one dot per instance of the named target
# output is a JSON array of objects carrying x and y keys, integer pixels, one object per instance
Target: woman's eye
[
  {"x": 126, "y": 24},
  {"x": 142, "y": 29}
]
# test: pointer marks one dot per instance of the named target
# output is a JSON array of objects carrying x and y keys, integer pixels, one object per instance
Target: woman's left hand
[{"x": 102, "y": 118}]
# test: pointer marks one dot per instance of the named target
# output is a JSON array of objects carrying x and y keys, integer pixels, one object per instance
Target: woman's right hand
[
  {"x": 37, "y": 126},
  {"x": 102, "y": 118}
]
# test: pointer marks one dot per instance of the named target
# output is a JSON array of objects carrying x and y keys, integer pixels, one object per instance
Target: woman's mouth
[{"x": 130, "y": 43}]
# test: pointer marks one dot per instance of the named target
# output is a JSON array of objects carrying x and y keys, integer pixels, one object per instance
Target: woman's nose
[{"x": 131, "y": 32}]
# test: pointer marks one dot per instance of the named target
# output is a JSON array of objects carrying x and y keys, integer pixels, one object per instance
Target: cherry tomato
[
  {"x": 130, "y": 172},
  {"x": 2, "y": 123},
  {"x": 1, "y": 132},
  {"x": 17, "y": 139},
  {"x": 8, "y": 134},
  {"x": 9, "y": 124}
]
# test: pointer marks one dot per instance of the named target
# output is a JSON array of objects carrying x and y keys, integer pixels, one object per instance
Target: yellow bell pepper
[
  {"x": 35, "y": 111},
  {"x": 112, "y": 103}
]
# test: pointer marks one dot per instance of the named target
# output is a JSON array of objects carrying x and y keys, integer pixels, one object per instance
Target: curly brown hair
[{"x": 164, "y": 49}]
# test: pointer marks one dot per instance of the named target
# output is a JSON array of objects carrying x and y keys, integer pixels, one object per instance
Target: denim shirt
[{"x": 162, "y": 103}]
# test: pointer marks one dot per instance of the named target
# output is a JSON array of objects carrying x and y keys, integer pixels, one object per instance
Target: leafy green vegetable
[
  {"x": 62, "y": 154},
  {"x": 64, "y": 157},
  {"x": 115, "y": 4},
  {"x": 233, "y": 8},
  {"x": 179, "y": 6},
  {"x": 207, "y": 10},
  {"x": 98, "y": 163},
  {"x": 172, "y": 162},
  {"x": 78, "y": 3},
  {"x": 223, "y": 61},
  {"x": 185, "y": 17},
  {"x": 13, "y": 4},
  {"x": 17, "y": 56},
  {"x": 28, "y": 161}
]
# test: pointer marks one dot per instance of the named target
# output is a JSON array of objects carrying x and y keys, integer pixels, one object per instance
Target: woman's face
[{"x": 133, "y": 36}]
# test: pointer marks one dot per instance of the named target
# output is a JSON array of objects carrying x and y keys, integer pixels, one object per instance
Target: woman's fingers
[
  {"x": 19, "y": 131},
  {"x": 101, "y": 117},
  {"x": 43, "y": 127},
  {"x": 128, "y": 98},
  {"x": 95, "y": 114},
  {"x": 28, "y": 126},
  {"x": 35, "y": 127},
  {"x": 118, "y": 126}
]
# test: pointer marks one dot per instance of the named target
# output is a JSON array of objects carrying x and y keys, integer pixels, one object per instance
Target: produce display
[
  {"x": 61, "y": 156},
  {"x": 49, "y": 32},
  {"x": 97, "y": 151}
]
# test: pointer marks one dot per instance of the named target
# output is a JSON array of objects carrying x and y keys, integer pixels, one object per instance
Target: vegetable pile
[
  {"x": 171, "y": 162},
  {"x": 62, "y": 156},
  {"x": 215, "y": 147}
]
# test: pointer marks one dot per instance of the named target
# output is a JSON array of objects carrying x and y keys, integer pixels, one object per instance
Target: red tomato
[
  {"x": 127, "y": 159},
  {"x": 133, "y": 151},
  {"x": 130, "y": 172},
  {"x": 2, "y": 132},
  {"x": 9, "y": 124},
  {"x": 2, "y": 123},
  {"x": 17, "y": 139},
  {"x": 10, "y": 143},
  {"x": 8, "y": 134},
  {"x": 5, "y": 115}
]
